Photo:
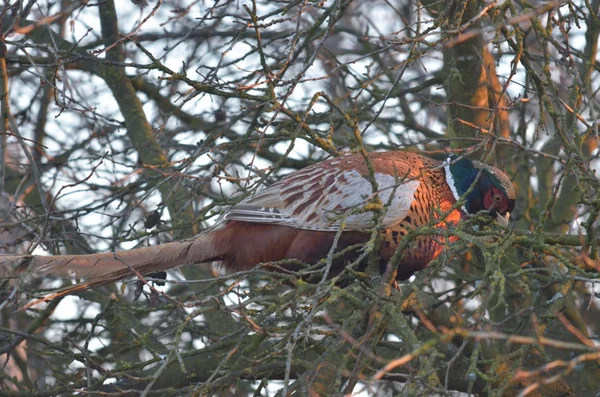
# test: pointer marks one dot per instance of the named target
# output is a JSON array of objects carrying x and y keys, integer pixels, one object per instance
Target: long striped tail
[{"x": 104, "y": 268}]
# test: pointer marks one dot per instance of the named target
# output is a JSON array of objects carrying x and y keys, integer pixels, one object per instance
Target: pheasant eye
[{"x": 497, "y": 198}]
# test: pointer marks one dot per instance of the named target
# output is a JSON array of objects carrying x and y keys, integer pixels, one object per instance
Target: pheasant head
[{"x": 492, "y": 189}]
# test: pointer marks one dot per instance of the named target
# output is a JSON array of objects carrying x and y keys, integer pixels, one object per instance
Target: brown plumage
[{"x": 298, "y": 217}]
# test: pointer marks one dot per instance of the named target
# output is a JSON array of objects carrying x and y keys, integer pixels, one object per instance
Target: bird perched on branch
[{"x": 299, "y": 217}]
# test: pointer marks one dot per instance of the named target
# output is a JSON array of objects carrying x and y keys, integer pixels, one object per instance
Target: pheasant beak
[{"x": 503, "y": 219}]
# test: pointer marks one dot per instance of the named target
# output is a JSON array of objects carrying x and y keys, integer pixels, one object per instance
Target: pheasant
[{"x": 299, "y": 217}]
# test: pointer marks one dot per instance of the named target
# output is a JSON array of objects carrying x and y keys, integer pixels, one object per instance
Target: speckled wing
[{"x": 320, "y": 196}]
